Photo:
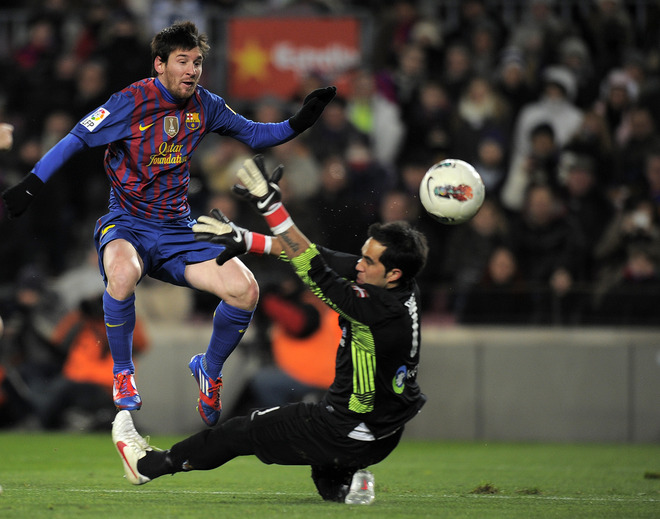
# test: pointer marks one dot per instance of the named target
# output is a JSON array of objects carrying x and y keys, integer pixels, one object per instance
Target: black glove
[
  {"x": 312, "y": 108},
  {"x": 262, "y": 192},
  {"x": 17, "y": 198},
  {"x": 218, "y": 229}
]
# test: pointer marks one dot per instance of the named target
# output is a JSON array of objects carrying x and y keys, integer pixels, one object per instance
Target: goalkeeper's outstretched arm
[{"x": 264, "y": 195}]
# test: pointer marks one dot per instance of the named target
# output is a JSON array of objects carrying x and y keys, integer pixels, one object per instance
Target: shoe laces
[
  {"x": 214, "y": 392},
  {"x": 124, "y": 384},
  {"x": 130, "y": 435},
  {"x": 133, "y": 437},
  {"x": 212, "y": 396}
]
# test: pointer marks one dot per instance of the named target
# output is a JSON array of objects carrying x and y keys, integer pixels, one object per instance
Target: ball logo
[{"x": 462, "y": 192}]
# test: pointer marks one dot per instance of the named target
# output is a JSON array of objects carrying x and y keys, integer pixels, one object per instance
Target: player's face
[
  {"x": 369, "y": 268},
  {"x": 181, "y": 72}
]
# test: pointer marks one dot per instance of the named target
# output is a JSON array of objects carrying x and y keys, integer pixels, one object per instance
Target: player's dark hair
[
  {"x": 405, "y": 248},
  {"x": 179, "y": 35}
]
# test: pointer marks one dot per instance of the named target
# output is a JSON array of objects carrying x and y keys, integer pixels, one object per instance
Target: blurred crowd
[{"x": 556, "y": 104}]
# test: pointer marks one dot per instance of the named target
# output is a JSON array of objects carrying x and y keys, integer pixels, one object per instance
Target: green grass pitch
[{"x": 80, "y": 475}]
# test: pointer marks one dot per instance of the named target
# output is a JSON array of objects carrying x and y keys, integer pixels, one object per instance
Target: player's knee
[
  {"x": 235, "y": 284},
  {"x": 248, "y": 294},
  {"x": 122, "y": 280},
  {"x": 239, "y": 289}
]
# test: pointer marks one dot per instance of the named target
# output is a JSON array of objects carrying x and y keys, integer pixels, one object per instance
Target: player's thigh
[{"x": 233, "y": 282}]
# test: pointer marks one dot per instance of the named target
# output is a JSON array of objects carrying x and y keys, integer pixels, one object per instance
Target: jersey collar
[{"x": 166, "y": 93}]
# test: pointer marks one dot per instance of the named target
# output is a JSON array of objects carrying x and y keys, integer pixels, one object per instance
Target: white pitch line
[{"x": 612, "y": 499}]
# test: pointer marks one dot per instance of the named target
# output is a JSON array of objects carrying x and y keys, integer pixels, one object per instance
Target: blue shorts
[{"x": 165, "y": 247}]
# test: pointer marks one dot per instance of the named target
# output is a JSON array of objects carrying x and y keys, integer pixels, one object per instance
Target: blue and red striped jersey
[{"x": 151, "y": 138}]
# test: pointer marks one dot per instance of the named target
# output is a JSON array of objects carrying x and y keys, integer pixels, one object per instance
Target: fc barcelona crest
[
  {"x": 192, "y": 121},
  {"x": 171, "y": 124}
]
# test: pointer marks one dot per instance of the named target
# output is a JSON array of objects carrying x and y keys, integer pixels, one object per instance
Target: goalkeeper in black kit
[{"x": 361, "y": 418}]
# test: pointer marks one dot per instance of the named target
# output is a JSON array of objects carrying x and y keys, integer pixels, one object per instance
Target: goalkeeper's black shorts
[
  {"x": 299, "y": 434},
  {"x": 296, "y": 434}
]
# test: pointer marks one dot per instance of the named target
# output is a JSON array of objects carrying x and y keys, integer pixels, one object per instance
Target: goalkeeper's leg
[{"x": 205, "y": 450}]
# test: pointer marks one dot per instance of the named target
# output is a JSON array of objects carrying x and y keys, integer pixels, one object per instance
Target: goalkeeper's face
[
  {"x": 181, "y": 72},
  {"x": 371, "y": 271}
]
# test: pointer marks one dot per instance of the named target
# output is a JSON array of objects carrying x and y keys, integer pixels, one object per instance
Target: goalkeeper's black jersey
[{"x": 375, "y": 389}]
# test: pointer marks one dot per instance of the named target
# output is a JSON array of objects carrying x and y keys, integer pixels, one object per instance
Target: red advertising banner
[{"x": 268, "y": 56}]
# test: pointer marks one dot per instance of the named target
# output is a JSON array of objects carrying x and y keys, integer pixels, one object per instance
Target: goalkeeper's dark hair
[
  {"x": 179, "y": 35},
  {"x": 406, "y": 247}
]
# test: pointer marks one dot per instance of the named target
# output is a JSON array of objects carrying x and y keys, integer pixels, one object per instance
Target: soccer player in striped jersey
[{"x": 151, "y": 129}]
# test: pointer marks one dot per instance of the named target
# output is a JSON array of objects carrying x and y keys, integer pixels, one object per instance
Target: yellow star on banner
[{"x": 251, "y": 61}]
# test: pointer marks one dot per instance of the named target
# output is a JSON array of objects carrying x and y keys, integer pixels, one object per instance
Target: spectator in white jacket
[{"x": 556, "y": 109}]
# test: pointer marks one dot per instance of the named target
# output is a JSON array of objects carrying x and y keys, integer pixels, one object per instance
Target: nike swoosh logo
[
  {"x": 107, "y": 229},
  {"x": 264, "y": 411},
  {"x": 429, "y": 189},
  {"x": 142, "y": 128},
  {"x": 120, "y": 447},
  {"x": 262, "y": 204},
  {"x": 115, "y": 325}
]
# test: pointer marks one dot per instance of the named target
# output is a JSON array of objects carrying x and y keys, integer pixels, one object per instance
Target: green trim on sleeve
[
  {"x": 362, "y": 345},
  {"x": 303, "y": 262},
  {"x": 302, "y": 265}
]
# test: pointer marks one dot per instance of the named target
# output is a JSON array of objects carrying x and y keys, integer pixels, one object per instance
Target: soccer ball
[{"x": 452, "y": 191}]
